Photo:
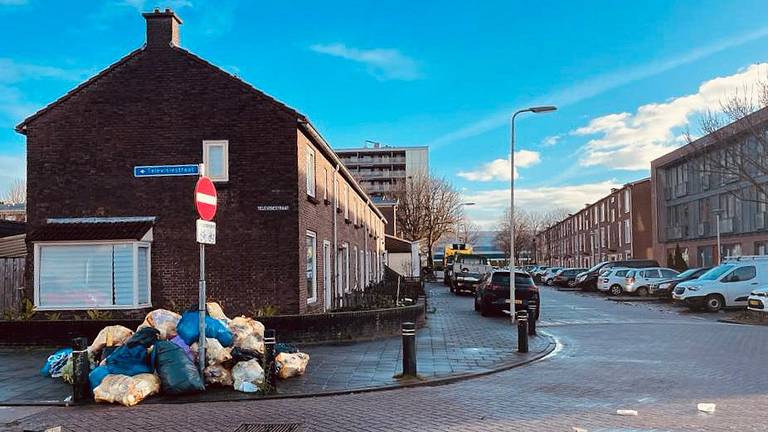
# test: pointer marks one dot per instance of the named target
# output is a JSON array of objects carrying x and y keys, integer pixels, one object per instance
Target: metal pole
[
  {"x": 512, "y": 219},
  {"x": 522, "y": 331},
  {"x": 409, "y": 349},
  {"x": 270, "y": 339},
  {"x": 81, "y": 368},
  {"x": 201, "y": 311},
  {"x": 719, "y": 249}
]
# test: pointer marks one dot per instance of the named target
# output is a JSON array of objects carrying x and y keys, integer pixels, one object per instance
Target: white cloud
[
  {"x": 383, "y": 63},
  {"x": 597, "y": 85},
  {"x": 630, "y": 141},
  {"x": 490, "y": 204},
  {"x": 551, "y": 140},
  {"x": 11, "y": 168},
  {"x": 498, "y": 169}
]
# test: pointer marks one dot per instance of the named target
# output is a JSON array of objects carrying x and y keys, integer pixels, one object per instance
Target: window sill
[
  {"x": 86, "y": 308},
  {"x": 313, "y": 200}
]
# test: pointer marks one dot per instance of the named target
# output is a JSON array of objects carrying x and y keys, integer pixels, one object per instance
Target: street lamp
[
  {"x": 717, "y": 213},
  {"x": 536, "y": 110},
  {"x": 460, "y": 206}
]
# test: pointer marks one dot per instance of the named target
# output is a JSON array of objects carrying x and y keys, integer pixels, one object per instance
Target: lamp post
[
  {"x": 535, "y": 110},
  {"x": 717, "y": 213}
]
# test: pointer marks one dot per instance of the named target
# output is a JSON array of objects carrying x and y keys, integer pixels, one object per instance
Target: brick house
[
  {"x": 616, "y": 227},
  {"x": 294, "y": 229}
]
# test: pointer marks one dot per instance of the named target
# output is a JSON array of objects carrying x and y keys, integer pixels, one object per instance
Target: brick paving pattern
[{"x": 613, "y": 356}]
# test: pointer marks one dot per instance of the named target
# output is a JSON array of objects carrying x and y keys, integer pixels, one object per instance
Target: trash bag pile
[{"x": 160, "y": 357}]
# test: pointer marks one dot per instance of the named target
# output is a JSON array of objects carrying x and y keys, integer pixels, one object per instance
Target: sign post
[{"x": 206, "y": 204}]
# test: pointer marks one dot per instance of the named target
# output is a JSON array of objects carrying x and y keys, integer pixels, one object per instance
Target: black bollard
[
  {"x": 81, "y": 367},
  {"x": 522, "y": 331},
  {"x": 270, "y": 375},
  {"x": 409, "y": 349},
  {"x": 532, "y": 319}
]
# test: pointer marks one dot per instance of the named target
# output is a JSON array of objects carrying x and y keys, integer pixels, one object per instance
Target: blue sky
[{"x": 627, "y": 76}]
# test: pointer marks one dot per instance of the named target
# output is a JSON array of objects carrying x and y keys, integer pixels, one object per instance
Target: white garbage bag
[{"x": 248, "y": 376}]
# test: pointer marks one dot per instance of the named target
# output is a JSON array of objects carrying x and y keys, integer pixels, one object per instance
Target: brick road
[{"x": 614, "y": 356}]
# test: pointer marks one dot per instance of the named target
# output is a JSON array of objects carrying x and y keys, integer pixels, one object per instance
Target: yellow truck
[{"x": 451, "y": 250}]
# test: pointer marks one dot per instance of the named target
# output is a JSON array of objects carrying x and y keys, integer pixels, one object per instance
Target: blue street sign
[{"x": 166, "y": 170}]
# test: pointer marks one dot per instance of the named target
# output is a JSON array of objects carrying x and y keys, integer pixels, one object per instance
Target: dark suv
[
  {"x": 587, "y": 280},
  {"x": 492, "y": 295}
]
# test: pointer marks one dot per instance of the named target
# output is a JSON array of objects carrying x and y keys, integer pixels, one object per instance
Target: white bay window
[{"x": 92, "y": 275}]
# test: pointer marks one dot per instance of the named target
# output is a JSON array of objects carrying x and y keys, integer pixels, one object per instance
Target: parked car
[
  {"x": 727, "y": 285},
  {"x": 664, "y": 288},
  {"x": 613, "y": 280},
  {"x": 587, "y": 281},
  {"x": 538, "y": 273},
  {"x": 566, "y": 277},
  {"x": 549, "y": 274},
  {"x": 758, "y": 300},
  {"x": 639, "y": 280},
  {"x": 492, "y": 295}
]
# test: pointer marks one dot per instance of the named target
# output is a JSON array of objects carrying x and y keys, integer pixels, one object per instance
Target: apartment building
[
  {"x": 381, "y": 170},
  {"x": 615, "y": 227},
  {"x": 695, "y": 186}
]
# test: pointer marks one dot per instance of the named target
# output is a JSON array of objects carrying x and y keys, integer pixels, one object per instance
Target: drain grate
[{"x": 270, "y": 427}]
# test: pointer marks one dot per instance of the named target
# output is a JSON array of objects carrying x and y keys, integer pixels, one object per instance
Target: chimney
[{"x": 162, "y": 28}]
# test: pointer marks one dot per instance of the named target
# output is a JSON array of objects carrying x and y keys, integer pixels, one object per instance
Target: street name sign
[
  {"x": 206, "y": 232},
  {"x": 205, "y": 198},
  {"x": 166, "y": 170}
]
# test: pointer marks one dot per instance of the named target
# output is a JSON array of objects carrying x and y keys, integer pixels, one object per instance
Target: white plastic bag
[
  {"x": 291, "y": 365},
  {"x": 215, "y": 353},
  {"x": 110, "y": 336},
  {"x": 126, "y": 390},
  {"x": 248, "y": 333},
  {"x": 247, "y": 375},
  {"x": 218, "y": 374},
  {"x": 164, "y": 321}
]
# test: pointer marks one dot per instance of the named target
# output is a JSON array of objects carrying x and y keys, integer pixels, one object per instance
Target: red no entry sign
[{"x": 205, "y": 198}]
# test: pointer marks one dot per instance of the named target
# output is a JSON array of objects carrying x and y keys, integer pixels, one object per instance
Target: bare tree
[
  {"x": 428, "y": 208},
  {"x": 733, "y": 149},
  {"x": 527, "y": 225},
  {"x": 16, "y": 193},
  {"x": 469, "y": 232}
]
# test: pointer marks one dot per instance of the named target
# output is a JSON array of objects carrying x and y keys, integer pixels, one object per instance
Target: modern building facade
[
  {"x": 616, "y": 227},
  {"x": 295, "y": 230},
  {"x": 381, "y": 170},
  {"x": 696, "y": 185}
]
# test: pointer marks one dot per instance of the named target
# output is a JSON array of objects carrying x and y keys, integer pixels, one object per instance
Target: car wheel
[
  {"x": 642, "y": 291},
  {"x": 714, "y": 302},
  {"x": 484, "y": 309},
  {"x": 615, "y": 290}
]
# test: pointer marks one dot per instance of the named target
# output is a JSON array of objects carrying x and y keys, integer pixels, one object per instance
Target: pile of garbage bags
[{"x": 161, "y": 357}]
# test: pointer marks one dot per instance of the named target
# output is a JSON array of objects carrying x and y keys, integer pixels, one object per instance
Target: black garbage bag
[
  {"x": 281, "y": 347},
  {"x": 241, "y": 355},
  {"x": 178, "y": 375}
]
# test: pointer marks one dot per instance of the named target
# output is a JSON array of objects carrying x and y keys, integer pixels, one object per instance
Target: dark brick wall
[{"x": 157, "y": 108}]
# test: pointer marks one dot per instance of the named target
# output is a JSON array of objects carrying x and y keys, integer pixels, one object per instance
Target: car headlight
[
  {"x": 664, "y": 285},
  {"x": 693, "y": 288}
]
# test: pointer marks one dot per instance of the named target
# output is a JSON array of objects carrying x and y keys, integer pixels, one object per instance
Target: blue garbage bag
[
  {"x": 178, "y": 374},
  {"x": 97, "y": 376},
  {"x": 131, "y": 357},
  {"x": 56, "y": 362},
  {"x": 189, "y": 331}
]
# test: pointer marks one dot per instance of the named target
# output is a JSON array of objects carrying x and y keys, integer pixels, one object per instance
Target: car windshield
[
  {"x": 473, "y": 275},
  {"x": 716, "y": 272},
  {"x": 686, "y": 274}
]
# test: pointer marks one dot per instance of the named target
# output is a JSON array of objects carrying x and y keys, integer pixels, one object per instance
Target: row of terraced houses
[{"x": 690, "y": 194}]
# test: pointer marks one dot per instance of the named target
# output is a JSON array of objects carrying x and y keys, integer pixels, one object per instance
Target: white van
[{"x": 726, "y": 285}]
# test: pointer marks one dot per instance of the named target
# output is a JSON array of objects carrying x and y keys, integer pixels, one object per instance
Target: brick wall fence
[{"x": 313, "y": 328}]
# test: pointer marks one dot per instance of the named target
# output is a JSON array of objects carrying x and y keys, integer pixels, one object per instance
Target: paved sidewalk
[{"x": 456, "y": 341}]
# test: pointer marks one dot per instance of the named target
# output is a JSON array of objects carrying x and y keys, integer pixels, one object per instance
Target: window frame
[
  {"x": 310, "y": 166},
  {"x": 135, "y": 245},
  {"x": 311, "y": 234},
  {"x": 207, "y": 144}
]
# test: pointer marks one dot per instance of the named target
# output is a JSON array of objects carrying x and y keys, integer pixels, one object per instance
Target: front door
[{"x": 327, "y": 275}]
